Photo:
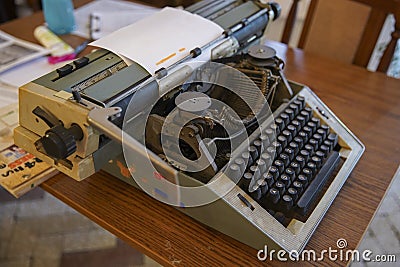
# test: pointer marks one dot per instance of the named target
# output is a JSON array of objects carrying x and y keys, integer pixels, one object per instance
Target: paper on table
[
  {"x": 161, "y": 39},
  {"x": 82, "y": 14}
]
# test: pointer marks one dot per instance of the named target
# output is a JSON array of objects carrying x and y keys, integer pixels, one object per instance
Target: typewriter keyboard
[{"x": 302, "y": 153}]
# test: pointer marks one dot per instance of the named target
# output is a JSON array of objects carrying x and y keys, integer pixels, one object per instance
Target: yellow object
[{"x": 51, "y": 41}]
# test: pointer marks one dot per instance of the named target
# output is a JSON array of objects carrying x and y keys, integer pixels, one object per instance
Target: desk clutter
[{"x": 210, "y": 110}]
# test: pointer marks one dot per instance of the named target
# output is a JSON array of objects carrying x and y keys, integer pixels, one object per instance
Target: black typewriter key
[
  {"x": 233, "y": 172},
  {"x": 270, "y": 133},
  {"x": 268, "y": 178},
  {"x": 256, "y": 193},
  {"x": 318, "y": 138},
  {"x": 290, "y": 113},
  {"x": 258, "y": 145},
  {"x": 65, "y": 70},
  {"x": 299, "y": 104},
  {"x": 308, "y": 131},
  {"x": 285, "y": 179},
  {"x": 312, "y": 166},
  {"x": 305, "y": 154},
  {"x": 320, "y": 154},
  {"x": 333, "y": 138},
  {"x": 287, "y": 202},
  {"x": 317, "y": 121},
  {"x": 324, "y": 149},
  {"x": 285, "y": 117},
  {"x": 262, "y": 165},
  {"x": 301, "y": 160},
  {"x": 292, "y": 129},
  {"x": 295, "y": 146},
  {"x": 280, "y": 123},
  {"x": 303, "y": 180},
  {"x": 287, "y": 134},
  {"x": 255, "y": 171},
  {"x": 273, "y": 196},
  {"x": 312, "y": 126},
  {"x": 317, "y": 161},
  {"x": 273, "y": 170},
  {"x": 264, "y": 140},
  {"x": 275, "y": 128},
  {"x": 295, "y": 166},
  {"x": 322, "y": 133},
  {"x": 277, "y": 146},
  {"x": 296, "y": 124},
  {"x": 305, "y": 114},
  {"x": 263, "y": 185},
  {"x": 307, "y": 173},
  {"x": 309, "y": 111},
  {"x": 298, "y": 186},
  {"x": 271, "y": 151},
  {"x": 302, "y": 120},
  {"x": 280, "y": 186},
  {"x": 325, "y": 128},
  {"x": 291, "y": 173},
  {"x": 245, "y": 181},
  {"x": 284, "y": 158},
  {"x": 290, "y": 152},
  {"x": 293, "y": 193},
  {"x": 311, "y": 146},
  {"x": 302, "y": 100},
  {"x": 328, "y": 144},
  {"x": 303, "y": 135},
  {"x": 253, "y": 152},
  {"x": 266, "y": 158},
  {"x": 280, "y": 165},
  {"x": 282, "y": 139},
  {"x": 295, "y": 108},
  {"x": 247, "y": 159},
  {"x": 240, "y": 162}
]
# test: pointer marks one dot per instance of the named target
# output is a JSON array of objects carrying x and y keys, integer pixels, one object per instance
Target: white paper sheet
[
  {"x": 161, "y": 39},
  {"x": 82, "y": 14}
]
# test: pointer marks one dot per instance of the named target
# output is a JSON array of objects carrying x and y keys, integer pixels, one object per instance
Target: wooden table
[{"x": 368, "y": 103}]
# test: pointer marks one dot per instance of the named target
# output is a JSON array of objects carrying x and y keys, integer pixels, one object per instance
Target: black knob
[
  {"x": 276, "y": 8},
  {"x": 60, "y": 142}
]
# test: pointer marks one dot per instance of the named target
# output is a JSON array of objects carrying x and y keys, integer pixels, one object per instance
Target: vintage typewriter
[{"x": 230, "y": 142}]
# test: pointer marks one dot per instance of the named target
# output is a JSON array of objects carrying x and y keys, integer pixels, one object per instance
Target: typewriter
[{"x": 230, "y": 141}]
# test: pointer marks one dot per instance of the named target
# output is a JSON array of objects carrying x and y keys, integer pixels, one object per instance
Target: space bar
[{"x": 318, "y": 183}]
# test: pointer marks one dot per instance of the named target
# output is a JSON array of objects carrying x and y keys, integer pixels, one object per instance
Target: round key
[
  {"x": 285, "y": 117},
  {"x": 295, "y": 166},
  {"x": 298, "y": 186},
  {"x": 322, "y": 133},
  {"x": 324, "y": 149},
  {"x": 240, "y": 162},
  {"x": 233, "y": 172},
  {"x": 273, "y": 196},
  {"x": 312, "y": 166},
  {"x": 292, "y": 129},
  {"x": 291, "y": 173},
  {"x": 298, "y": 104},
  {"x": 280, "y": 165},
  {"x": 317, "y": 121},
  {"x": 273, "y": 170},
  {"x": 296, "y": 124},
  {"x": 314, "y": 143},
  {"x": 301, "y": 160},
  {"x": 290, "y": 152},
  {"x": 247, "y": 159},
  {"x": 295, "y": 146},
  {"x": 266, "y": 158},
  {"x": 255, "y": 171},
  {"x": 263, "y": 185},
  {"x": 262, "y": 165},
  {"x": 320, "y": 154},
  {"x": 328, "y": 144},
  {"x": 305, "y": 114},
  {"x": 290, "y": 113},
  {"x": 285, "y": 179},
  {"x": 277, "y": 146},
  {"x": 295, "y": 108},
  {"x": 307, "y": 173},
  {"x": 256, "y": 193},
  {"x": 275, "y": 128},
  {"x": 302, "y": 120},
  {"x": 310, "y": 148},
  {"x": 293, "y": 193},
  {"x": 284, "y": 158},
  {"x": 303, "y": 135},
  {"x": 280, "y": 123},
  {"x": 312, "y": 126},
  {"x": 305, "y": 154},
  {"x": 282, "y": 139},
  {"x": 309, "y": 111},
  {"x": 333, "y": 138},
  {"x": 245, "y": 181},
  {"x": 287, "y": 134},
  {"x": 280, "y": 186},
  {"x": 319, "y": 138},
  {"x": 253, "y": 152},
  {"x": 303, "y": 180},
  {"x": 270, "y": 134},
  {"x": 308, "y": 131},
  {"x": 317, "y": 161},
  {"x": 271, "y": 151},
  {"x": 264, "y": 140},
  {"x": 287, "y": 202},
  {"x": 302, "y": 100},
  {"x": 325, "y": 128},
  {"x": 268, "y": 178}
]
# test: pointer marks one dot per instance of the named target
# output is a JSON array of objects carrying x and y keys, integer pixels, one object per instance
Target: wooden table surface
[{"x": 368, "y": 103}]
